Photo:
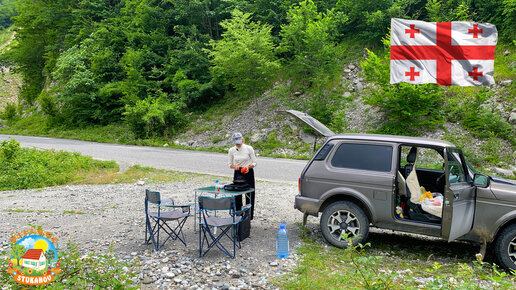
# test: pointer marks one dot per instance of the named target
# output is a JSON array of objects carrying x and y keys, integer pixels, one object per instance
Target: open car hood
[{"x": 311, "y": 122}]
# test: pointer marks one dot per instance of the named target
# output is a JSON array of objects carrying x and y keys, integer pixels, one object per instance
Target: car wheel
[
  {"x": 505, "y": 247},
  {"x": 344, "y": 217}
]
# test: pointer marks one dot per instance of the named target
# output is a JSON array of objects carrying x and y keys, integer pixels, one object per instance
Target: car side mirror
[{"x": 481, "y": 180}]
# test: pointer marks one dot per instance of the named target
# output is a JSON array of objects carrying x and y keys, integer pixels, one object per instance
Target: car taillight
[{"x": 299, "y": 185}]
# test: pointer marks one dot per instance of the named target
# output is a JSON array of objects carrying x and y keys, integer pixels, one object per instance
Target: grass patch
[
  {"x": 502, "y": 62},
  {"x": 392, "y": 261},
  {"x": 151, "y": 175},
  {"x": 73, "y": 211},
  {"x": 18, "y": 210},
  {"x": 30, "y": 168}
]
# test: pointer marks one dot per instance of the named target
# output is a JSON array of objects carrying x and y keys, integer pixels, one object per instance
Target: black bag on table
[
  {"x": 239, "y": 184},
  {"x": 236, "y": 187}
]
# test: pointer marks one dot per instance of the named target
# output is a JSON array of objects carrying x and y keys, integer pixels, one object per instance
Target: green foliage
[
  {"x": 244, "y": 57},
  {"x": 6, "y": 12},
  {"x": 475, "y": 116},
  {"x": 443, "y": 11},
  {"x": 307, "y": 43},
  {"x": 329, "y": 109},
  {"x": 509, "y": 18},
  {"x": 29, "y": 168},
  {"x": 409, "y": 109},
  {"x": 369, "y": 20},
  {"x": 88, "y": 62},
  {"x": 10, "y": 113},
  {"x": 388, "y": 264},
  {"x": 155, "y": 117}
]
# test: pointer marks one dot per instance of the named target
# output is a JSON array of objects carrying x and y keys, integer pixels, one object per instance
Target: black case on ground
[{"x": 244, "y": 227}]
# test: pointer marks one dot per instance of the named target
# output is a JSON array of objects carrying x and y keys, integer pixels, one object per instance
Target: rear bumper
[{"x": 307, "y": 205}]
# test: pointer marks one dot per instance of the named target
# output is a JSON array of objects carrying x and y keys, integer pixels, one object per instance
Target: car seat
[{"x": 413, "y": 191}]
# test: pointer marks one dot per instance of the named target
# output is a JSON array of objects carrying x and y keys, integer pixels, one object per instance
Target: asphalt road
[{"x": 274, "y": 169}]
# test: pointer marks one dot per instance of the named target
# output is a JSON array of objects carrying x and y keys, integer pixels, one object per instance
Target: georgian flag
[{"x": 446, "y": 53}]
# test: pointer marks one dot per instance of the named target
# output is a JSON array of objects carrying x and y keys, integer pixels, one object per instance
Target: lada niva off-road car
[{"x": 407, "y": 184}]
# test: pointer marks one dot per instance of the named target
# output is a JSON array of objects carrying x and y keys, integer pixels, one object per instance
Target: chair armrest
[
  {"x": 244, "y": 208},
  {"x": 167, "y": 201},
  {"x": 184, "y": 207}
]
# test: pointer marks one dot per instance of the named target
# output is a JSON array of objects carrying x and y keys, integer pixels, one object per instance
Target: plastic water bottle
[
  {"x": 282, "y": 241},
  {"x": 216, "y": 183}
]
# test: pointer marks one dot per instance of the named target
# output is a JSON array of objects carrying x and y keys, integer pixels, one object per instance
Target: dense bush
[
  {"x": 475, "y": 116},
  {"x": 31, "y": 168},
  {"x": 409, "y": 109},
  {"x": 155, "y": 117},
  {"x": 10, "y": 113}
]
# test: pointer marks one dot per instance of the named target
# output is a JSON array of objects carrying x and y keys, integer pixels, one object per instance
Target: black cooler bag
[{"x": 244, "y": 227}]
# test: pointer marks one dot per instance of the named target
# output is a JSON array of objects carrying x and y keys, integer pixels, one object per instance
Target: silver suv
[{"x": 406, "y": 184}]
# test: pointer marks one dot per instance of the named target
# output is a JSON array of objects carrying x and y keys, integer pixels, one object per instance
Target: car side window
[
  {"x": 455, "y": 168},
  {"x": 427, "y": 158},
  {"x": 363, "y": 157}
]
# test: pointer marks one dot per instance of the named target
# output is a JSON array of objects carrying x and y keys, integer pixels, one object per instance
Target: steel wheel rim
[
  {"x": 343, "y": 222},
  {"x": 511, "y": 250}
]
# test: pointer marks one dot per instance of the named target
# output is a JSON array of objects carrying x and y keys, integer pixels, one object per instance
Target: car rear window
[
  {"x": 363, "y": 157},
  {"x": 321, "y": 155}
]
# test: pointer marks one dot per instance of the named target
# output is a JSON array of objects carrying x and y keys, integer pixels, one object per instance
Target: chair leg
[
  {"x": 174, "y": 233},
  {"x": 215, "y": 242},
  {"x": 152, "y": 232},
  {"x": 235, "y": 238}
]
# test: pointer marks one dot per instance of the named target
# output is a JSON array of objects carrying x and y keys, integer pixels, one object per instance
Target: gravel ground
[{"x": 114, "y": 215}]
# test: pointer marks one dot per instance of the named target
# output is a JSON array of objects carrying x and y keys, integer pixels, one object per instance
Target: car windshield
[{"x": 470, "y": 167}]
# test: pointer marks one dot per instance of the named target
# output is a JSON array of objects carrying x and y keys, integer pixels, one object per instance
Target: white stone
[{"x": 512, "y": 117}]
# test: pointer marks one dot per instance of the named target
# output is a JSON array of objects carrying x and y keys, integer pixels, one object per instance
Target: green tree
[
  {"x": 450, "y": 10},
  {"x": 41, "y": 28},
  {"x": 307, "y": 42},
  {"x": 6, "y": 12},
  {"x": 17, "y": 251},
  {"x": 244, "y": 57}
]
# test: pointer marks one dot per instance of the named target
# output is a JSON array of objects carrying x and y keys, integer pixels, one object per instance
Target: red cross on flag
[{"x": 446, "y": 53}]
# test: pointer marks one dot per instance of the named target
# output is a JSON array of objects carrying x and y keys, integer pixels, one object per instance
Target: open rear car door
[
  {"x": 311, "y": 122},
  {"x": 459, "y": 197}
]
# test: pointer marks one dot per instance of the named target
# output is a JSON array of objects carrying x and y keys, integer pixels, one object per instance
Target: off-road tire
[
  {"x": 357, "y": 224},
  {"x": 504, "y": 246}
]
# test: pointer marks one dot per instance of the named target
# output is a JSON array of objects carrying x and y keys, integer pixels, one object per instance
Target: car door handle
[{"x": 456, "y": 196}]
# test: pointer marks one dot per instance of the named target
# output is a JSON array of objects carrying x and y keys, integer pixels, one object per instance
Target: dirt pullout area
[{"x": 98, "y": 216}]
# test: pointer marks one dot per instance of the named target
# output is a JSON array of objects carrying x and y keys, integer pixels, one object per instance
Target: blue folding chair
[
  {"x": 156, "y": 221},
  {"x": 225, "y": 217}
]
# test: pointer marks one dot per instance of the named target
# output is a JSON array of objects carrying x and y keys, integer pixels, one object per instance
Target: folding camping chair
[
  {"x": 228, "y": 224},
  {"x": 157, "y": 221}
]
